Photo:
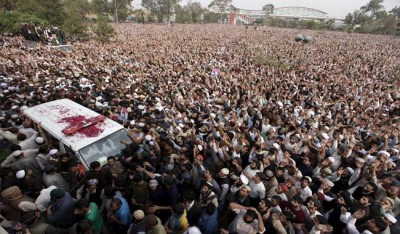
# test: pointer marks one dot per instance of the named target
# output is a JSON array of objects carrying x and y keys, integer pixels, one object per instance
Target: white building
[{"x": 299, "y": 13}]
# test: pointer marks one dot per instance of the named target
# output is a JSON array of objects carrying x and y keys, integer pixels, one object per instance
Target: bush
[
  {"x": 11, "y": 22},
  {"x": 103, "y": 30},
  {"x": 75, "y": 25}
]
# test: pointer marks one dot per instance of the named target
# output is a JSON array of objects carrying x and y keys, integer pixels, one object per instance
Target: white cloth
[
  {"x": 304, "y": 192},
  {"x": 355, "y": 175},
  {"x": 350, "y": 222},
  {"x": 44, "y": 199},
  {"x": 11, "y": 137},
  {"x": 30, "y": 143},
  {"x": 257, "y": 190},
  {"x": 239, "y": 226},
  {"x": 28, "y": 132}
]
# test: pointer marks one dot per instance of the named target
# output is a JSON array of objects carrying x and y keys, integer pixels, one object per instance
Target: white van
[{"x": 73, "y": 126}]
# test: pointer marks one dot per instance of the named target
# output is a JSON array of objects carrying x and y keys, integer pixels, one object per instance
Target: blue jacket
[
  {"x": 124, "y": 214},
  {"x": 209, "y": 223},
  {"x": 62, "y": 212}
]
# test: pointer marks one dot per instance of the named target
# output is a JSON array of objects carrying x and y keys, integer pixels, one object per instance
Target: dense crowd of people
[{"x": 233, "y": 131}]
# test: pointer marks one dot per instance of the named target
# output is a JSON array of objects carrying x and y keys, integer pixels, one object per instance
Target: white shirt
[
  {"x": 304, "y": 192},
  {"x": 28, "y": 132},
  {"x": 257, "y": 190},
  {"x": 11, "y": 159},
  {"x": 250, "y": 171},
  {"x": 43, "y": 200},
  {"x": 11, "y": 137},
  {"x": 30, "y": 143},
  {"x": 239, "y": 226},
  {"x": 350, "y": 222}
]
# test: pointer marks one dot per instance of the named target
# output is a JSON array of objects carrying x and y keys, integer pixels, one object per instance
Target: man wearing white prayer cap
[{"x": 20, "y": 174}]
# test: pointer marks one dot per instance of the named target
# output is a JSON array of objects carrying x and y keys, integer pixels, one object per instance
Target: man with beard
[
  {"x": 251, "y": 170},
  {"x": 270, "y": 181},
  {"x": 192, "y": 206},
  {"x": 207, "y": 195},
  {"x": 98, "y": 173},
  {"x": 247, "y": 220},
  {"x": 257, "y": 188},
  {"x": 364, "y": 204},
  {"x": 369, "y": 189},
  {"x": 242, "y": 198},
  {"x": 294, "y": 207},
  {"x": 385, "y": 205},
  {"x": 223, "y": 182},
  {"x": 334, "y": 215},
  {"x": 341, "y": 179},
  {"x": 393, "y": 193},
  {"x": 374, "y": 225}
]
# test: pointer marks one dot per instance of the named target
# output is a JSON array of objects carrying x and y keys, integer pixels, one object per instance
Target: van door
[{"x": 73, "y": 154}]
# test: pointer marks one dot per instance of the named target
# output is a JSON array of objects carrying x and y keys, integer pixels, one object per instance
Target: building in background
[
  {"x": 300, "y": 13},
  {"x": 245, "y": 16}
]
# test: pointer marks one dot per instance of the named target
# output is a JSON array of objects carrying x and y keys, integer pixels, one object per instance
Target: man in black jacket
[{"x": 192, "y": 206}]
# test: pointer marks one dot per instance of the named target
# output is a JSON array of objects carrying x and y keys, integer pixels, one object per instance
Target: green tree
[
  {"x": 139, "y": 15},
  {"x": 161, "y": 9},
  {"x": 222, "y": 6},
  {"x": 196, "y": 11},
  {"x": 211, "y": 17},
  {"x": 269, "y": 9},
  {"x": 11, "y": 22},
  {"x": 100, "y": 6},
  {"x": 103, "y": 29},
  {"x": 349, "y": 19},
  {"x": 183, "y": 15},
  {"x": 359, "y": 17},
  {"x": 119, "y": 7},
  {"x": 311, "y": 24},
  {"x": 373, "y": 7},
  {"x": 52, "y": 11},
  {"x": 8, "y": 5},
  {"x": 395, "y": 12},
  {"x": 74, "y": 23}
]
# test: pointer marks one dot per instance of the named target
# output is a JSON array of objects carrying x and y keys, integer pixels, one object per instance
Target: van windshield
[{"x": 107, "y": 146}]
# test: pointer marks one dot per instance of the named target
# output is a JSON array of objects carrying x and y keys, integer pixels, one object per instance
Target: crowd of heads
[{"x": 232, "y": 131}]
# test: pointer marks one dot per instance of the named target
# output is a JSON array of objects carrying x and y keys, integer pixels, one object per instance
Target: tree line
[
  {"x": 72, "y": 16},
  {"x": 373, "y": 18}
]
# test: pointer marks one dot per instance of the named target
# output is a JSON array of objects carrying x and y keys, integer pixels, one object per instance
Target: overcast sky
[{"x": 335, "y": 8}]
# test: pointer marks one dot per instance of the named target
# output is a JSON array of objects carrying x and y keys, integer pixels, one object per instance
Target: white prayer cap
[
  {"x": 384, "y": 153},
  {"x": 244, "y": 179},
  {"x": 390, "y": 217},
  {"x": 225, "y": 171},
  {"x": 325, "y": 136},
  {"x": 20, "y": 174},
  {"x": 330, "y": 183},
  {"x": 53, "y": 152},
  {"x": 351, "y": 170},
  {"x": 39, "y": 140}
]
